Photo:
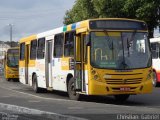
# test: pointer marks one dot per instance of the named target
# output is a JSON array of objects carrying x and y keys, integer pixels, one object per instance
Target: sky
[
  {"x": 32, "y": 16},
  {"x": 29, "y": 17}
]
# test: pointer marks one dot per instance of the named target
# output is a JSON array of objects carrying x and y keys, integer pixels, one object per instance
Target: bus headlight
[
  {"x": 93, "y": 72},
  {"x": 11, "y": 72},
  {"x": 95, "y": 77}
]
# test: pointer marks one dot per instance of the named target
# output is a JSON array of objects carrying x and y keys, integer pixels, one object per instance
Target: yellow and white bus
[
  {"x": 109, "y": 56},
  {"x": 11, "y": 64}
]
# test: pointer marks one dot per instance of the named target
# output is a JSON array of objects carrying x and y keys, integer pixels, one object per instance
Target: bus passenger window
[
  {"x": 33, "y": 49},
  {"x": 41, "y": 48},
  {"x": 154, "y": 49},
  {"x": 58, "y": 45},
  {"x": 22, "y": 51},
  {"x": 69, "y": 44}
]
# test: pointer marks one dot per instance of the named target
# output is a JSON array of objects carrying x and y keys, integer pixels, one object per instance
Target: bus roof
[
  {"x": 70, "y": 27},
  {"x": 152, "y": 40},
  {"x": 13, "y": 48},
  {"x": 28, "y": 39}
]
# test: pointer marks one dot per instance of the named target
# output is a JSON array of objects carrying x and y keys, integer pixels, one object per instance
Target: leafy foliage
[
  {"x": 147, "y": 10},
  {"x": 83, "y": 9}
]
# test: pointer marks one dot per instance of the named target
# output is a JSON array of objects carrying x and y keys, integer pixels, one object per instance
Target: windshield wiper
[
  {"x": 128, "y": 46},
  {"x": 110, "y": 42},
  {"x": 109, "y": 39},
  {"x": 129, "y": 41}
]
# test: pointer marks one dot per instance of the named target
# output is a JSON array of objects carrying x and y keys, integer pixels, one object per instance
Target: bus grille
[{"x": 124, "y": 81}]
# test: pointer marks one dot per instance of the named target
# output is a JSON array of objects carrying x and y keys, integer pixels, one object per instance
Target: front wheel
[
  {"x": 71, "y": 90},
  {"x": 121, "y": 98}
]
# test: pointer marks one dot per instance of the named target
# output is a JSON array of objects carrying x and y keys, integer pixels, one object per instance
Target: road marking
[
  {"x": 75, "y": 108},
  {"x": 25, "y": 110},
  {"x": 34, "y": 101},
  {"x": 55, "y": 99}
]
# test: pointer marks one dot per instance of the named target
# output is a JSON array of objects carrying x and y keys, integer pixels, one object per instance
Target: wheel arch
[{"x": 154, "y": 70}]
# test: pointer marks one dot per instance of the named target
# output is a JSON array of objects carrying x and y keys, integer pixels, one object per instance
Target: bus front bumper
[{"x": 100, "y": 88}]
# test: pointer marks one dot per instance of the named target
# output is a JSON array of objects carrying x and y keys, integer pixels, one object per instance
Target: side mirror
[{"x": 88, "y": 40}]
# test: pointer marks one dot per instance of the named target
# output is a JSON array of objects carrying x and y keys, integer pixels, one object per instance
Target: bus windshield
[
  {"x": 13, "y": 59},
  {"x": 120, "y": 50}
]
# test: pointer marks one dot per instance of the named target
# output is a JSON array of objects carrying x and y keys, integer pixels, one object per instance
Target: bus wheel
[
  {"x": 121, "y": 98},
  {"x": 71, "y": 90},
  {"x": 154, "y": 79},
  {"x": 35, "y": 84}
]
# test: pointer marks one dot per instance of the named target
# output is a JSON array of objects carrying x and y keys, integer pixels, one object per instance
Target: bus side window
[
  {"x": 154, "y": 50},
  {"x": 58, "y": 45},
  {"x": 69, "y": 44},
  {"x": 33, "y": 49},
  {"x": 41, "y": 48},
  {"x": 22, "y": 51}
]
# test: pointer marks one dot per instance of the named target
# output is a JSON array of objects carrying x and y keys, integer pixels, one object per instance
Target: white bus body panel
[{"x": 22, "y": 75}]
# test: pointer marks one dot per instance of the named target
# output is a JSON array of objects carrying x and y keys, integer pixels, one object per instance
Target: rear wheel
[
  {"x": 35, "y": 84},
  {"x": 71, "y": 90},
  {"x": 121, "y": 98},
  {"x": 154, "y": 79}
]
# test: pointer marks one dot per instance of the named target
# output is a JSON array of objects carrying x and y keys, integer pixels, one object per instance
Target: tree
[
  {"x": 83, "y": 9},
  {"x": 109, "y": 8},
  {"x": 147, "y": 10}
]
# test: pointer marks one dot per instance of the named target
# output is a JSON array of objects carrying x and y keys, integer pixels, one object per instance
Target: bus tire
[
  {"x": 154, "y": 79},
  {"x": 121, "y": 98},
  {"x": 71, "y": 91},
  {"x": 35, "y": 84}
]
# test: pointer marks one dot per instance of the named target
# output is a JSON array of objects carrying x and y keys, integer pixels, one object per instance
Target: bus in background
[
  {"x": 105, "y": 56},
  {"x": 155, "y": 48},
  {"x": 11, "y": 64}
]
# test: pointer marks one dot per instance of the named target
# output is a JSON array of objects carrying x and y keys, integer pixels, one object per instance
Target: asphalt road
[{"x": 90, "y": 107}]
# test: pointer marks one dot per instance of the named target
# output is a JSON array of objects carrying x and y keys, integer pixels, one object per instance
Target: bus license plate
[{"x": 125, "y": 89}]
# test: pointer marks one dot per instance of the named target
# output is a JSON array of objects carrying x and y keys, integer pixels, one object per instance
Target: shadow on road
[
  {"x": 110, "y": 100},
  {"x": 100, "y": 99},
  {"x": 134, "y": 100}
]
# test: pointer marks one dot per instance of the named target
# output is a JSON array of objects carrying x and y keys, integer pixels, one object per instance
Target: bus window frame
[
  {"x": 60, "y": 53},
  {"x": 41, "y": 48},
  {"x": 68, "y": 45},
  {"x": 22, "y": 57},
  {"x": 156, "y": 50},
  {"x": 31, "y": 50}
]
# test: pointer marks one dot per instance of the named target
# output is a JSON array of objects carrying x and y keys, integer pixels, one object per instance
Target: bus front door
[
  {"x": 79, "y": 63},
  {"x": 48, "y": 67},
  {"x": 26, "y": 63}
]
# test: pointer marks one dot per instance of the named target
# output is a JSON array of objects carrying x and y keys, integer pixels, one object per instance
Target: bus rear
[{"x": 12, "y": 64}]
